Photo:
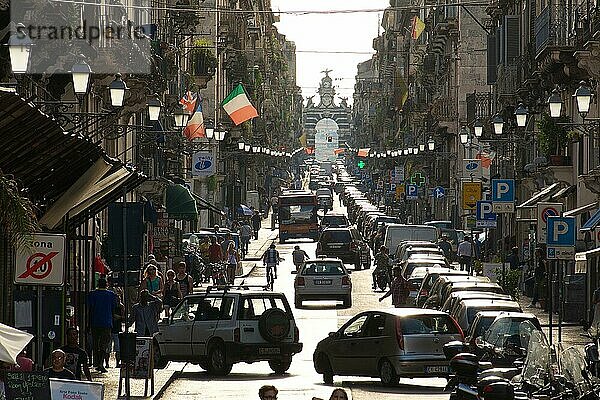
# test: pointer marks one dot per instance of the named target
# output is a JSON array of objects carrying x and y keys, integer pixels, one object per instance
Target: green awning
[{"x": 180, "y": 203}]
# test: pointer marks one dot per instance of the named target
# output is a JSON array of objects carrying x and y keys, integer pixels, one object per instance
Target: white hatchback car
[{"x": 323, "y": 279}]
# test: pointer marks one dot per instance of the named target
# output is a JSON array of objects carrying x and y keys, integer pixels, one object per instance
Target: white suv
[{"x": 224, "y": 326}]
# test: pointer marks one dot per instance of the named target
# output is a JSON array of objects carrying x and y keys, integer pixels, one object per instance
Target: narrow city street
[{"x": 315, "y": 321}]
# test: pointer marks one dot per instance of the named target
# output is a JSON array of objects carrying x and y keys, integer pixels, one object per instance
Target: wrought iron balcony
[
  {"x": 511, "y": 77},
  {"x": 554, "y": 27},
  {"x": 479, "y": 106},
  {"x": 444, "y": 109}
]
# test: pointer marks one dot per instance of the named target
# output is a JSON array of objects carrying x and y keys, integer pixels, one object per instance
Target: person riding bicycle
[
  {"x": 271, "y": 259},
  {"x": 299, "y": 256},
  {"x": 382, "y": 264}
]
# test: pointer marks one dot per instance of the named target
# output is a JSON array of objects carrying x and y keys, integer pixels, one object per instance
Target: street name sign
[
  {"x": 486, "y": 218},
  {"x": 41, "y": 263},
  {"x": 503, "y": 195},
  {"x": 545, "y": 210},
  {"x": 560, "y": 238}
]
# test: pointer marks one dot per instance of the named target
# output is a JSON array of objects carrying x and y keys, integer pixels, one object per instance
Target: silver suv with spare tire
[{"x": 229, "y": 325}]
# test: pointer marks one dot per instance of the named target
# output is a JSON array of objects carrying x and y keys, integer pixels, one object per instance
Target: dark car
[
  {"x": 331, "y": 220},
  {"x": 343, "y": 243}
]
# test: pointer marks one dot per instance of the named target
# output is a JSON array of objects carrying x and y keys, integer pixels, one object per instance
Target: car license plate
[
  {"x": 322, "y": 281},
  {"x": 269, "y": 350},
  {"x": 437, "y": 368}
]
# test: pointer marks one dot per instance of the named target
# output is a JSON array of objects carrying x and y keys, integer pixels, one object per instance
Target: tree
[{"x": 18, "y": 219}]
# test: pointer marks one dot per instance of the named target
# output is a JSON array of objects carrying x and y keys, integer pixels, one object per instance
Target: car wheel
[
  {"x": 298, "y": 302},
  {"x": 280, "y": 366},
  {"x": 348, "y": 301},
  {"x": 387, "y": 373},
  {"x": 217, "y": 363},
  {"x": 159, "y": 361},
  {"x": 327, "y": 370}
]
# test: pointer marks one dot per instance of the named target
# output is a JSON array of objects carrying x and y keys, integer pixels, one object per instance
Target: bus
[{"x": 298, "y": 215}]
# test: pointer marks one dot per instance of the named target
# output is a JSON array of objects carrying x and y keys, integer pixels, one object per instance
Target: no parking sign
[{"x": 545, "y": 210}]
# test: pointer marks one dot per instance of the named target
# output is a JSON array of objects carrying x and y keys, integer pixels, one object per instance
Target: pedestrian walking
[
  {"x": 152, "y": 282},
  {"x": 76, "y": 359},
  {"x": 172, "y": 293},
  {"x": 225, "y": 243},
  {"x": 232, "y": 258},
  {"x": 114, "y": 344},
  {"x": 445, "y": 246},
  {"x": 539, "y": 276},
  {"x": 58, "y": 370},
  {"x": 215, "y": 254},
  {"x": 298, "y": 257},
  {"x": 267, "y": 392},
  {"x": 245, "y": 235},
  {"x": 256, "y": 222},
  {"x": 465, "y": 254},
  {"x": 513, "y": 258},
  {"x": 102, "y": 304},
  {"x": 185, "y": 280},
  {"x": 145, "y": 314},
  {"x": 398, "y": 289}
]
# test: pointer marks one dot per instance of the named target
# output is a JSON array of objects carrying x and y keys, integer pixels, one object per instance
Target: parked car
[
  {"x": 456, "y": 297},
  {"x": 345, "y": 244},
  {"x": 323, "y": 279},
  {"x": 434, "y": 300},
  {"x": 408, "y": 266},
  {"x": 488, "y": 287},
  {"x": 393, "y": 343},
  {"x": 420, "y": 252},
  {"x": 429, "y": 280},
  {"x": 325, "y": 201},
  {"x": 416, "y": 278},
  {"x": 403, "y": 247},
  {"x": 221, "y": 327},
  {"x": 465, "y": 314},
  {"x": 396, "y": 233}
]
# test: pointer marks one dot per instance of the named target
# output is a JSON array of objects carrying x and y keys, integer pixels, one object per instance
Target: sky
[{"x": 329, "y": 32}]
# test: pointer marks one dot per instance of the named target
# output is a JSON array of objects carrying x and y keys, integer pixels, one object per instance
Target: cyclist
[
  {"x": 299, "y": 256},
  {"x": 271, "y": 259}
]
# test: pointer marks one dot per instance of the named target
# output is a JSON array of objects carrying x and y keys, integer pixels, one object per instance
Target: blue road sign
[
  {"x": 561, "y": 231},
  {"x": 486, "y": 218},
  {"x": 412, "y": 192},
  {"x": 503, "y": 190},
  {"x": 439, "y": 192}
]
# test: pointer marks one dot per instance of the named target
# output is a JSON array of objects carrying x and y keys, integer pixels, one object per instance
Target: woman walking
[
  {"x": 232, "y": 258},
  {"x": 171, "y": 293},
  {"x": 152, "y": 282}
]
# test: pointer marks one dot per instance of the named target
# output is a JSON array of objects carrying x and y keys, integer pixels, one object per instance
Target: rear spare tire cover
[{"x": 274, "y": 325}]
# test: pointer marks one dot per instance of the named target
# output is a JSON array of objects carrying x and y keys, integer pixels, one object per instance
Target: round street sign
[{"x": 549, "y": 212}]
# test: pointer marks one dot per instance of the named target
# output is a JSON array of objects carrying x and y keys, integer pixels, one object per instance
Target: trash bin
[{"x": 127, "y": 344}]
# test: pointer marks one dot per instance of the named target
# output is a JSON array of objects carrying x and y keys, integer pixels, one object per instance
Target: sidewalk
[{"x": 570, "y": 334}]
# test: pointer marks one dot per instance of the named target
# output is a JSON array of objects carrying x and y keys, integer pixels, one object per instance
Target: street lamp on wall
[
  {"x": 521, "y": 115},
  {"x": 422, "y": 147},
  {"x": 247, "y": 148},
  {"x": 220, "y": 135},
  {"x": 478, "y": 128},
  {"x": 19, "y": 48},
  {"x": 431, "y": 144},
  {"x": 154, "y": 107},
  {"x": 464, "y": 135},
  {"x": 555, "y": 103},
  {"x": 583, "y": 95},
  {"x": 117, "y": 90},
  {"x": 181, "y": 118},
  {"x": 81, "y": 77},
  {"x": 498, "y": 124},
  {"x": 241, "y": 145},
  {"x": 210, "y": 129}
]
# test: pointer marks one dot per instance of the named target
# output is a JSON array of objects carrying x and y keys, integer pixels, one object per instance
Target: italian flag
[{"x": 238, "y": 106}]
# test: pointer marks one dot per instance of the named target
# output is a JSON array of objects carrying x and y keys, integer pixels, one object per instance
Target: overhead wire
[{"x": 285, "y": 12}]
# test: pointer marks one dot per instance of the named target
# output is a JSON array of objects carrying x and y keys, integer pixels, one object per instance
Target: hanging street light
[
  {"x": 421, "y": 147},
  {"x": 431, "y": 144},
  {"x": 220, "y": 135},
  {"x": 498, "y": 124},
  {"x": 478, "y": 128},
  {"x": 464, "y": 135},
  {"x": 241, "y": 145},
  {"x": 182, "y": 117}
]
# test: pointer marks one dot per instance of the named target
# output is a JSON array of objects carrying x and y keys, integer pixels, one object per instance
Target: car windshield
[
  {"x": 336, "y": 236},
  {"x": 428, "y": 324},
  {"x": 320, "y": 268},
  {"x": 537, "y": 368},
  {"x": 297, "y": 214},
  {"x": 337, "y": 220}
]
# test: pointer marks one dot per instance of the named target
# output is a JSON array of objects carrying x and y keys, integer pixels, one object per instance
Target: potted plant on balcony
[{"x": 552, "y": 139}]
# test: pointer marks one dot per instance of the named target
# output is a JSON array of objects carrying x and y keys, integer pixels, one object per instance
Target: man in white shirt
[{"x": 465, "y": 254}]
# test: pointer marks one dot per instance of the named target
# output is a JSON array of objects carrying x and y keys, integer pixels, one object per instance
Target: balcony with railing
[
  {"x": 444, "y": 110},
  {"x": 510, "y": 77},
  {"x": 555, "y": 27},
  {"x": 479, "y": 106}
]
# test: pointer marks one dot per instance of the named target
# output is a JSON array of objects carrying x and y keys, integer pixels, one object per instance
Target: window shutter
[
  {"x": 499, "y": 46},
  {"x": 491, "y": 59},
  {"x": 512, "y": 38}
]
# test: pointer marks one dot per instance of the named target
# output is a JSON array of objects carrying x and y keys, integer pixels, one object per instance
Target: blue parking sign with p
[
  {"x": 561, "y": 231},
  {"x": 484, "y": 211},
  {"x": 503, "y": 190},
  {"x": 412, "y": 192}
]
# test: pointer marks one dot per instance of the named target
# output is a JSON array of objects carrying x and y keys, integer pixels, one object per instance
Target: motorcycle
[
  {"x": 592, "y": 356},
  {"x": 382, "y": 278}
]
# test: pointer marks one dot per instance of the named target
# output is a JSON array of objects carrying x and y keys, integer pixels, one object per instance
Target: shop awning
[
  {"x": 591, "y": 223},
  {"x": 542, "y": 195},
  {"x": 580, "y": 210},
  {"x": 205, "y": 205},
  {"x": 180, "y": 203}
]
